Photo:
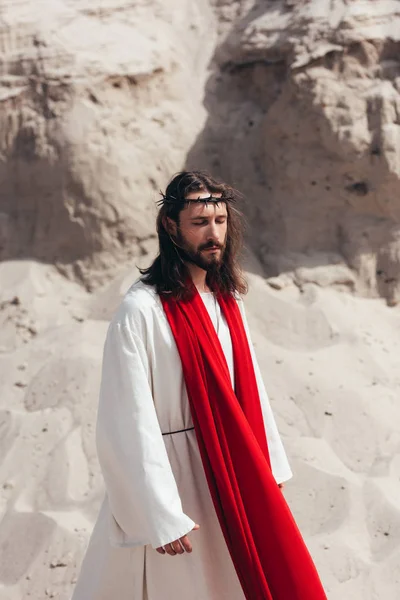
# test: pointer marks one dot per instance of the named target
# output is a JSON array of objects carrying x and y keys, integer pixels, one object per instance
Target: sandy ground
[{"x": 331, "y": 364}]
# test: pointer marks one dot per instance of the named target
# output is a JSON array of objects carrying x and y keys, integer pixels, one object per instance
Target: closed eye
[{"x": 205, "y": 222}]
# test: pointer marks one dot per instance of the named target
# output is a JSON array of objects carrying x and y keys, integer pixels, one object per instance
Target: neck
[{"x": 198, "y": 276}]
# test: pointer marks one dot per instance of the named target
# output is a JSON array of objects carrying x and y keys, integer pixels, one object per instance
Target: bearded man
[{"x": 187, "y": 442}]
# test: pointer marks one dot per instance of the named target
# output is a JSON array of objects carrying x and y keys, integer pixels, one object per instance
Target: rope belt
[{"x": 180, "y": 431}]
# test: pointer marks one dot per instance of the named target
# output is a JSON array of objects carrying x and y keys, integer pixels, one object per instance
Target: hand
[{"x": 178, "y": 546}]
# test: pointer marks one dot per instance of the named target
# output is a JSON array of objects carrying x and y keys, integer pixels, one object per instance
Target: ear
[{"x": 169, "y": 225}]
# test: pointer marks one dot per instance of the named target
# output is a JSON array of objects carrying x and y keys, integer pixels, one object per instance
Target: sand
[{"x": 331, "y": 364}]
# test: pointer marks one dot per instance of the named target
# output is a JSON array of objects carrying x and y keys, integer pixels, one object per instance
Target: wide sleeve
[
  {"x": 279, "y": 461},
  {"x": 141, "y": 488}
]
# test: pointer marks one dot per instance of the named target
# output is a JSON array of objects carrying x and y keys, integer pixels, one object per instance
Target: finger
[
  {"x": 160, "y": 550},
  {"x": 177, "y": 547},
  {"x": 169, "y": 550},
  {"x": 196, "y": 527},
  {"x": 186, "y": 543}
]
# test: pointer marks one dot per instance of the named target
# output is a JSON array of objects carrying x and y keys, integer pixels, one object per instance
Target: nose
[{"x": 213, "y": 233}]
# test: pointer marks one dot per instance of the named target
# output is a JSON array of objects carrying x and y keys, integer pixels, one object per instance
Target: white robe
[{"x": 156, "y": 488}]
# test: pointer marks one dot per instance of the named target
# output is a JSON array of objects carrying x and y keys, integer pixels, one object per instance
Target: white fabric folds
[{"x": 155, "y": 484}]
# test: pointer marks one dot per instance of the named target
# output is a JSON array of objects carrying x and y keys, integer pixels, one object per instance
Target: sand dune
[{"x": 331, "y": 365}]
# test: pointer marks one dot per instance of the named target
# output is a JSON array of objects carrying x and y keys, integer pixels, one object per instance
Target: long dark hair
[{"x": 168, "y": 273}]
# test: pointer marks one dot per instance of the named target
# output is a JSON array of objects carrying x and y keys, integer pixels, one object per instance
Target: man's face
[{"x": 202, "y": 231}]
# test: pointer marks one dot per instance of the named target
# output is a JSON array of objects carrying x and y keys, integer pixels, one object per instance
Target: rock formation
[
  {"x": 303, "y": 114},
  {"x": 99, "y": 103}
]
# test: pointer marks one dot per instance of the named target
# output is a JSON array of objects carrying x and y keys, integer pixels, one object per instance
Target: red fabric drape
[{"x": 267, "y": 549}]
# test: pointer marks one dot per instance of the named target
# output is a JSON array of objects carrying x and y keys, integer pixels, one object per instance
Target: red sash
[{"x": 267, "y": 549}]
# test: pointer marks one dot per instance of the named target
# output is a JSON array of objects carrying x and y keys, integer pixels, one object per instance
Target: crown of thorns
[{"x": 171, "y": 200}]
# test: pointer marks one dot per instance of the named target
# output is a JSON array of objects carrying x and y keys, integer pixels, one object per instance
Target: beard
[{"x": 211, "y": 263}]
